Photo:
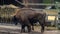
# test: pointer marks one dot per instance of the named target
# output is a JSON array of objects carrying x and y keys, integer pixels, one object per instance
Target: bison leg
[
  {"x": 23, "y": 28},
  {"x": 41, "y": 22},
  {"x": 28, "y": 25},
  {"x": 42, "y": 28},
  {"x": 32, "y": 26},
  {"x": 29, "y": 28}
]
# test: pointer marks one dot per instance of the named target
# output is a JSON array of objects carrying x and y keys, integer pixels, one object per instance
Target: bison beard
[{"x": 27, "y": 17}]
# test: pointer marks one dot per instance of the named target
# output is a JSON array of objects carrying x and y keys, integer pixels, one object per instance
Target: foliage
[
  {"x": 6, "y": 11},
  {"x": 47, "y": 1},
  {"x": 57, "y": 0},
  {"x": 5, "y": 14}
]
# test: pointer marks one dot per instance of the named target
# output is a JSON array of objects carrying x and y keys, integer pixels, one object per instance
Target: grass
[
  {"x": 38, "y": 28},
  {"x": 50, "y": 28}
]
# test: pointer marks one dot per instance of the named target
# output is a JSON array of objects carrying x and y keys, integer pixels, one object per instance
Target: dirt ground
[{"x": 4, "y": 29}]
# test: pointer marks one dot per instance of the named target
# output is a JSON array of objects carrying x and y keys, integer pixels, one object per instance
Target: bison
[{"x": 27, "y": 17}]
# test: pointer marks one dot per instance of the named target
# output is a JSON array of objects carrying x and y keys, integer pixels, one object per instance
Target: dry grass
[{"x": 38, "y": 28}]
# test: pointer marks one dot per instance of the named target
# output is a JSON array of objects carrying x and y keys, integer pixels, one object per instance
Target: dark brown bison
[{"x": 27, "y": 17}]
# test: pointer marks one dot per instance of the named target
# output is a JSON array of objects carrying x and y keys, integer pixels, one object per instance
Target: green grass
[{"x": 47, "y": 1}]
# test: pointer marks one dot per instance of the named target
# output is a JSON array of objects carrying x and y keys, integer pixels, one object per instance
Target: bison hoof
[
  {"x": 42, "y": 32},
  {"x": 22, "y": 31},
  {"x": 33, "y": 29}
]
